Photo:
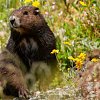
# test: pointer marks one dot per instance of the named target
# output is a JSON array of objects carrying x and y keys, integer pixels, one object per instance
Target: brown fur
[{"x": 12, "y": 75}]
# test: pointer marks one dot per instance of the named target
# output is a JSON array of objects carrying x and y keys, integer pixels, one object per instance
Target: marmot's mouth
[{"x": 14, "y": 22}]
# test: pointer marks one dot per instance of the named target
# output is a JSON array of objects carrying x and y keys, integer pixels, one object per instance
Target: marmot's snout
[{"x": 14, "y": 22}]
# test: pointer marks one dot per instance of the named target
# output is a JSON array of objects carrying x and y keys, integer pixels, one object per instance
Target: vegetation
[{"x": 76, "y": 25}]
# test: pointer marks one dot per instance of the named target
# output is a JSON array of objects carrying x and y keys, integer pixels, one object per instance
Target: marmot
[{"x": 29, "y": 45}]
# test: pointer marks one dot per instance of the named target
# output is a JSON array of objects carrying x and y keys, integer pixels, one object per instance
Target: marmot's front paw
[{"x": 24, "y": 93}]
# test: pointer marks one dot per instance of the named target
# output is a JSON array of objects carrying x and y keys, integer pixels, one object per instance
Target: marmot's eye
[
  {"x": 36, "y": 11},
  {"x": 25, "y": 13}
]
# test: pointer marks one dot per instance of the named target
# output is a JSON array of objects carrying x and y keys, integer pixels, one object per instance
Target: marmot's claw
[{"x": 24, "y": 93}]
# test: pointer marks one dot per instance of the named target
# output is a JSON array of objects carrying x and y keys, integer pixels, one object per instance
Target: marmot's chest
[
  {"x": 28, "y": 47},
  {"x": 28, "y": 51}
]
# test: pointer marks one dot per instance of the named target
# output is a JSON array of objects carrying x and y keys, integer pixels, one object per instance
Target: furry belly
[{"x": 41, "y": 72}]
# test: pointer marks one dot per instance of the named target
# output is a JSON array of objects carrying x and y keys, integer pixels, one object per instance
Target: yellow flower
[
  {"x": 82, "y": 56},
  {"x": 27, "y": 1},
  {"x": 54, "y": 51},
  {"x": 95, "y": 60},
  {"x": 36, "y": 4},
  {"x": 68, "y": 69},
  {"x": 67, "y": 43},
  {"x": 71, "y": 58},
  {"x": 79, "y": 63},
  {"x": 76, "y": 59},
  {"x": 82, "y": 3}
]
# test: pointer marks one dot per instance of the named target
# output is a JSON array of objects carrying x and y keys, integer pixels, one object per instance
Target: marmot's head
[{"x": 26, "y": 19}]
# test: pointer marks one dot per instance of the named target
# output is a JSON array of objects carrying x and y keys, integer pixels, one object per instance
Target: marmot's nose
[{"x": 12, "y": 19}]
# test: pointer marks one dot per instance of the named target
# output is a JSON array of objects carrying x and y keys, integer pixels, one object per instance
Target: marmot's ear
[{"x": 36, "y": 11}]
